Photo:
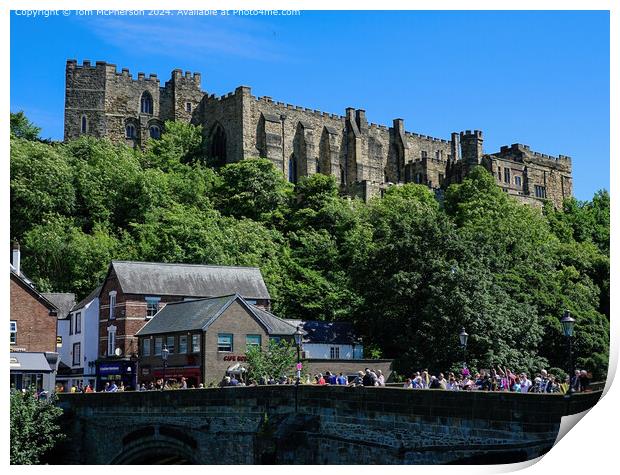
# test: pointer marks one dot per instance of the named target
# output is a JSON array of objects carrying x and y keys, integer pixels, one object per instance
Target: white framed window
[
  {"x": 78, "y": 322},
  {"x": 334, "y": 352},
  {"x": 111, "y": 340},
  {"x": 112, "y": 304},
  {"x": 77, "y": 354},
  {"x": 170, "y": 344},
  {"x": 183, "y": 344},
  {"x": 196, "y": 343},
  {"x": 13, "y": 332},
  {"x": 252, "y": 340},
  {"x": 158, "y": 345},
  {"x": 225, "y": 342},
  {"x": 152, "y": 306},
  {"x": 146, "y": 347}
]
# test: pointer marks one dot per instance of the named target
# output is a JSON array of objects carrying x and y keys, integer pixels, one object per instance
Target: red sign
[{"x": 235, "y": 358}]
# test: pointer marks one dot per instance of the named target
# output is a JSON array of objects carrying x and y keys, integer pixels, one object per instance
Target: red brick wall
[
  {"x": 130, "y": 315},
  {"x": 36, "y": 329}
]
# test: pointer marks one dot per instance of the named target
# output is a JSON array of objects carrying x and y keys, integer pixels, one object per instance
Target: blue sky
[{"x": 538, "y": 78}]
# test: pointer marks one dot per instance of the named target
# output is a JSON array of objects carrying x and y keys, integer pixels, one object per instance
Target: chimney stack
[{"x": 15, "y": 257}]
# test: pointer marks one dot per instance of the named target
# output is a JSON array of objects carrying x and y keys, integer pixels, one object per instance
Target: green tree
[
  {"x": 22, "y": 128},
  {"x": 179, "y": 144},
  {"x": 277, "y": 360},
  {"x": 252, "y": 189},
  {"x": 34, "y": 428}
]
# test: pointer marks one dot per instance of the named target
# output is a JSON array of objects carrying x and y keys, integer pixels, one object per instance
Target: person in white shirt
[
  {"x": 525, "y": 383},
  {"x": 380, "y": 378}
]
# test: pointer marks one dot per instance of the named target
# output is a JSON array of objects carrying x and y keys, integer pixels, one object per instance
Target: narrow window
[
  {"x": 71, "y": 324},
  {"x": 252, "y": 340},
  {"x": 170, "y": 344},
  {"x": 111, "y": 340},
  {"x": 196, "y": 343},
  {"x": 499, "y": 173},
  {"x": 188, "y": 106},
  {"x": 146, "y": 103},
  {"x": 158, "y": 345},
  {"x": 13, "y": 332},
  {"x": 112, "y": 304},
  {"x": 441, "y": 178},
  {"x": 224, "y": 342},
  {"x": 78, "y": 322},
  {"x": 152, "y": 306},
  {"x": 77, "y": 347},
  {"x": 507, "y": 175},
  {"x": 146, "y": 347},
  {"x": 424, "y": 154},
  {"x": 183, "y": 344},
  {"x": 334, "y": 353},
  {"x": 518, "y": 180},
  {"x": 437, "y": 154},
  {"x": 130, "y": 131},
  {"x": 84, "y": 124},
  {"x": 540, "y": 191}
]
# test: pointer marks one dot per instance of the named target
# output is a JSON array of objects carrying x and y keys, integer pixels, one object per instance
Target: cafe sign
[{"x": 235, "y": 358}]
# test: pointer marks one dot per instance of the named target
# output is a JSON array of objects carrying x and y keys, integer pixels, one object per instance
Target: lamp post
[
  {"x": 298, "y": 336},
  {"x": 568, "y": 327},
  {"x": 463, "y": 336},
  {"x": 164, "y": 356}
]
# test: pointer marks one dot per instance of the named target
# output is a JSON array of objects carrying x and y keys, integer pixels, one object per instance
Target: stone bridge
[{"x": 331, "y": 425}]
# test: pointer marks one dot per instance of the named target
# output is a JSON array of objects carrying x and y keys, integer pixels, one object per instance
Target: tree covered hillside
[{"x": 407, "y": 270}]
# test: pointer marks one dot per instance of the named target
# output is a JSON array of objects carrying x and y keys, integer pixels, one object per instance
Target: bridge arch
[{"x": 157, "y": 446}]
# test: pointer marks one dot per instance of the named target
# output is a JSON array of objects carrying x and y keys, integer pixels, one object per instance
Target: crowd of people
[
  {"x": 495, "y": 379},
  {"x": 498, "y": 379}
]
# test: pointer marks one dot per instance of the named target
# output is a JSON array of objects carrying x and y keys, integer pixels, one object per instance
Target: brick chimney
[{"x": 16, "y": 257}]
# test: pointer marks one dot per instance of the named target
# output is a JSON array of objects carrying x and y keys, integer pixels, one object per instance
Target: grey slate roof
[
  {"x": 199, "y": 314},
  {"x": 333, "y": 333},
  {"x": 29, "y": 362},
  {"x": 90, "y": 297},
  {"x": 191, "y": 280},
  {"x": 63, "y": 301}
]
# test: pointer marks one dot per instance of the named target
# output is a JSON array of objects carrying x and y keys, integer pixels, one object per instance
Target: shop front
[
  {"x": 116, "y": 371},
  {"x": 192, "y": 375}
]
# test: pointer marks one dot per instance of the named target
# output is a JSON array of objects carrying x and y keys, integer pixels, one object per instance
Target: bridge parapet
[{"x": 360, "y": 425}]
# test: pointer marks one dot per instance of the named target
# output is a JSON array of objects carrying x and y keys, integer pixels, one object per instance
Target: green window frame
[{"x": 225, "y": 342}]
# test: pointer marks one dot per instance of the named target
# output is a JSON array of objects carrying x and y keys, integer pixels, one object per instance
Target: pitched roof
[
  {"x": 199, "y": 314},
  {"x": 27, "y": 284},
  {"x": 86, "y": 300},
  {"x": 63, "y": 301},
  {"x": 334, "y": 333},
  {"x": 191, "y": 280}
]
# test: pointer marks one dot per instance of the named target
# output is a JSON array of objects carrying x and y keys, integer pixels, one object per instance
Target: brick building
[
  {"x": 364, "y": 158},
  {"x": 32, "y": 331},
  {"x": 133, "y": 292},
  {"x": 208, "y": 338}
]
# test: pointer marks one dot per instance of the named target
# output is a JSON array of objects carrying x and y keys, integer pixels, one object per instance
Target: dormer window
[{"x": 146, "y": 103}]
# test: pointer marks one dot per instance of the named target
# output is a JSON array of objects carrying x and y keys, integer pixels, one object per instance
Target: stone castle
[{"x": 364, "y": 158}]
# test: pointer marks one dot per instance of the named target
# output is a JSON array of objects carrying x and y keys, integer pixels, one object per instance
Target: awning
[{"x": 30, "y": 362}]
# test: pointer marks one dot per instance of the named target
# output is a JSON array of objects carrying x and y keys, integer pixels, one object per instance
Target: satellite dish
[{"x": 118, "y": 352}]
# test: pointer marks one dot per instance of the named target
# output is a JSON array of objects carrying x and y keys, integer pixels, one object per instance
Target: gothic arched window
[
  {"x": 146, "y": 103},
  {"x": 292, "y": 169},
  {"x": 154, "y": 131},
  {"x": 84, "y": 126},
  {"x": 217, "y": 149},
  {"x": 130, "y": 131}
]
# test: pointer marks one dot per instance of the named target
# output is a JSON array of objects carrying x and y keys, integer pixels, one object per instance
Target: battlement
[
  {"x": 538, "y": 156},
  {"x": 313, "y": 112},
  {"x": 417, "y": 136},
  {"x": 469, "y": 134}
]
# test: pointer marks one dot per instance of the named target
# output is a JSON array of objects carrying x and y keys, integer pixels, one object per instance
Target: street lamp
[
  {"x": 568, "y": 326},
  {"x": 463, "y": 336},
  {"x": 298, "y": 336},
  {"x": 164, "y": 356}
]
